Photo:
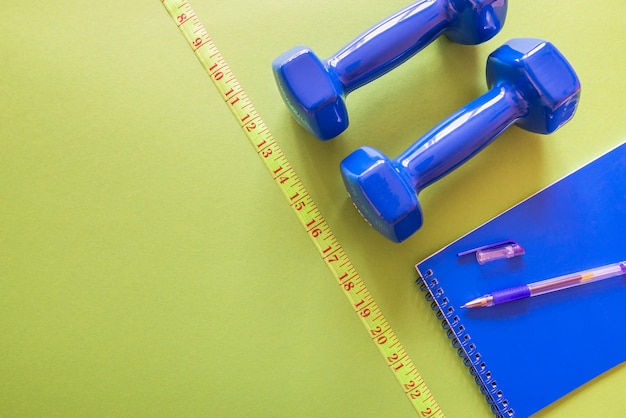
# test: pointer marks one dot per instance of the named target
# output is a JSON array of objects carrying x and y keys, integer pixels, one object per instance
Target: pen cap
[{"x": 496, "y": 253}]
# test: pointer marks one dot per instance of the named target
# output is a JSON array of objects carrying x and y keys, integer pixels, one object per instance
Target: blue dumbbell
[
  {"x": 532, "y": 85},
  {"x": 315, "y": 90}
]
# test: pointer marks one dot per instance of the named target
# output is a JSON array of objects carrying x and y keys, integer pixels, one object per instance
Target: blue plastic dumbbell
[
  {"x": 315, "y": 90},
  {"x": 532, "y": 85}
]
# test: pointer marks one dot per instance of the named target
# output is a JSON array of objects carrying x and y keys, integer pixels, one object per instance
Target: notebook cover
[{"x": 529, "y": 353}]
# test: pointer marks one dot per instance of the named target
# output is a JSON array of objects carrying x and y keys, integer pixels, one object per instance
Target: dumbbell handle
[
  {"x": 389, "y": 43},
  {"x": 460, "y": 136}
]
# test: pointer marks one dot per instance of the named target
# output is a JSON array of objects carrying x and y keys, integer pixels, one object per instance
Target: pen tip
[{"x": 477, "y": 303}]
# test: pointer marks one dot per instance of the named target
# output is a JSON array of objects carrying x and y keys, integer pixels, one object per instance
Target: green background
[{"x": 150, "y": 267}]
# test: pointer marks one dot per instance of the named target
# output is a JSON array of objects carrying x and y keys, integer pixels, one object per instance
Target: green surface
[{"x": 150, "y": 267}]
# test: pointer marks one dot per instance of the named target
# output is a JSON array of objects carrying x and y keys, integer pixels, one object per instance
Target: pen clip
[{"x": 495, "y": 251}]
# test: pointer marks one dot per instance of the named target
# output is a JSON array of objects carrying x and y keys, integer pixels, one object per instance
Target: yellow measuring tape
[{"x": 305, "y": 209}]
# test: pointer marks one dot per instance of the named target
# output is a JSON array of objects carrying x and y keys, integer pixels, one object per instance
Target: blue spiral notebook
[{"x": 528, "y": 353}]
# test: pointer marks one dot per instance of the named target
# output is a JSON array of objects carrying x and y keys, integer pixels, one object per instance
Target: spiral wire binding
[{"x": 462, "y": 341}]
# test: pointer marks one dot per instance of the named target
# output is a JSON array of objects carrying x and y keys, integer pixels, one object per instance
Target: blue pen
[{"x": 546, "y": 286}]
